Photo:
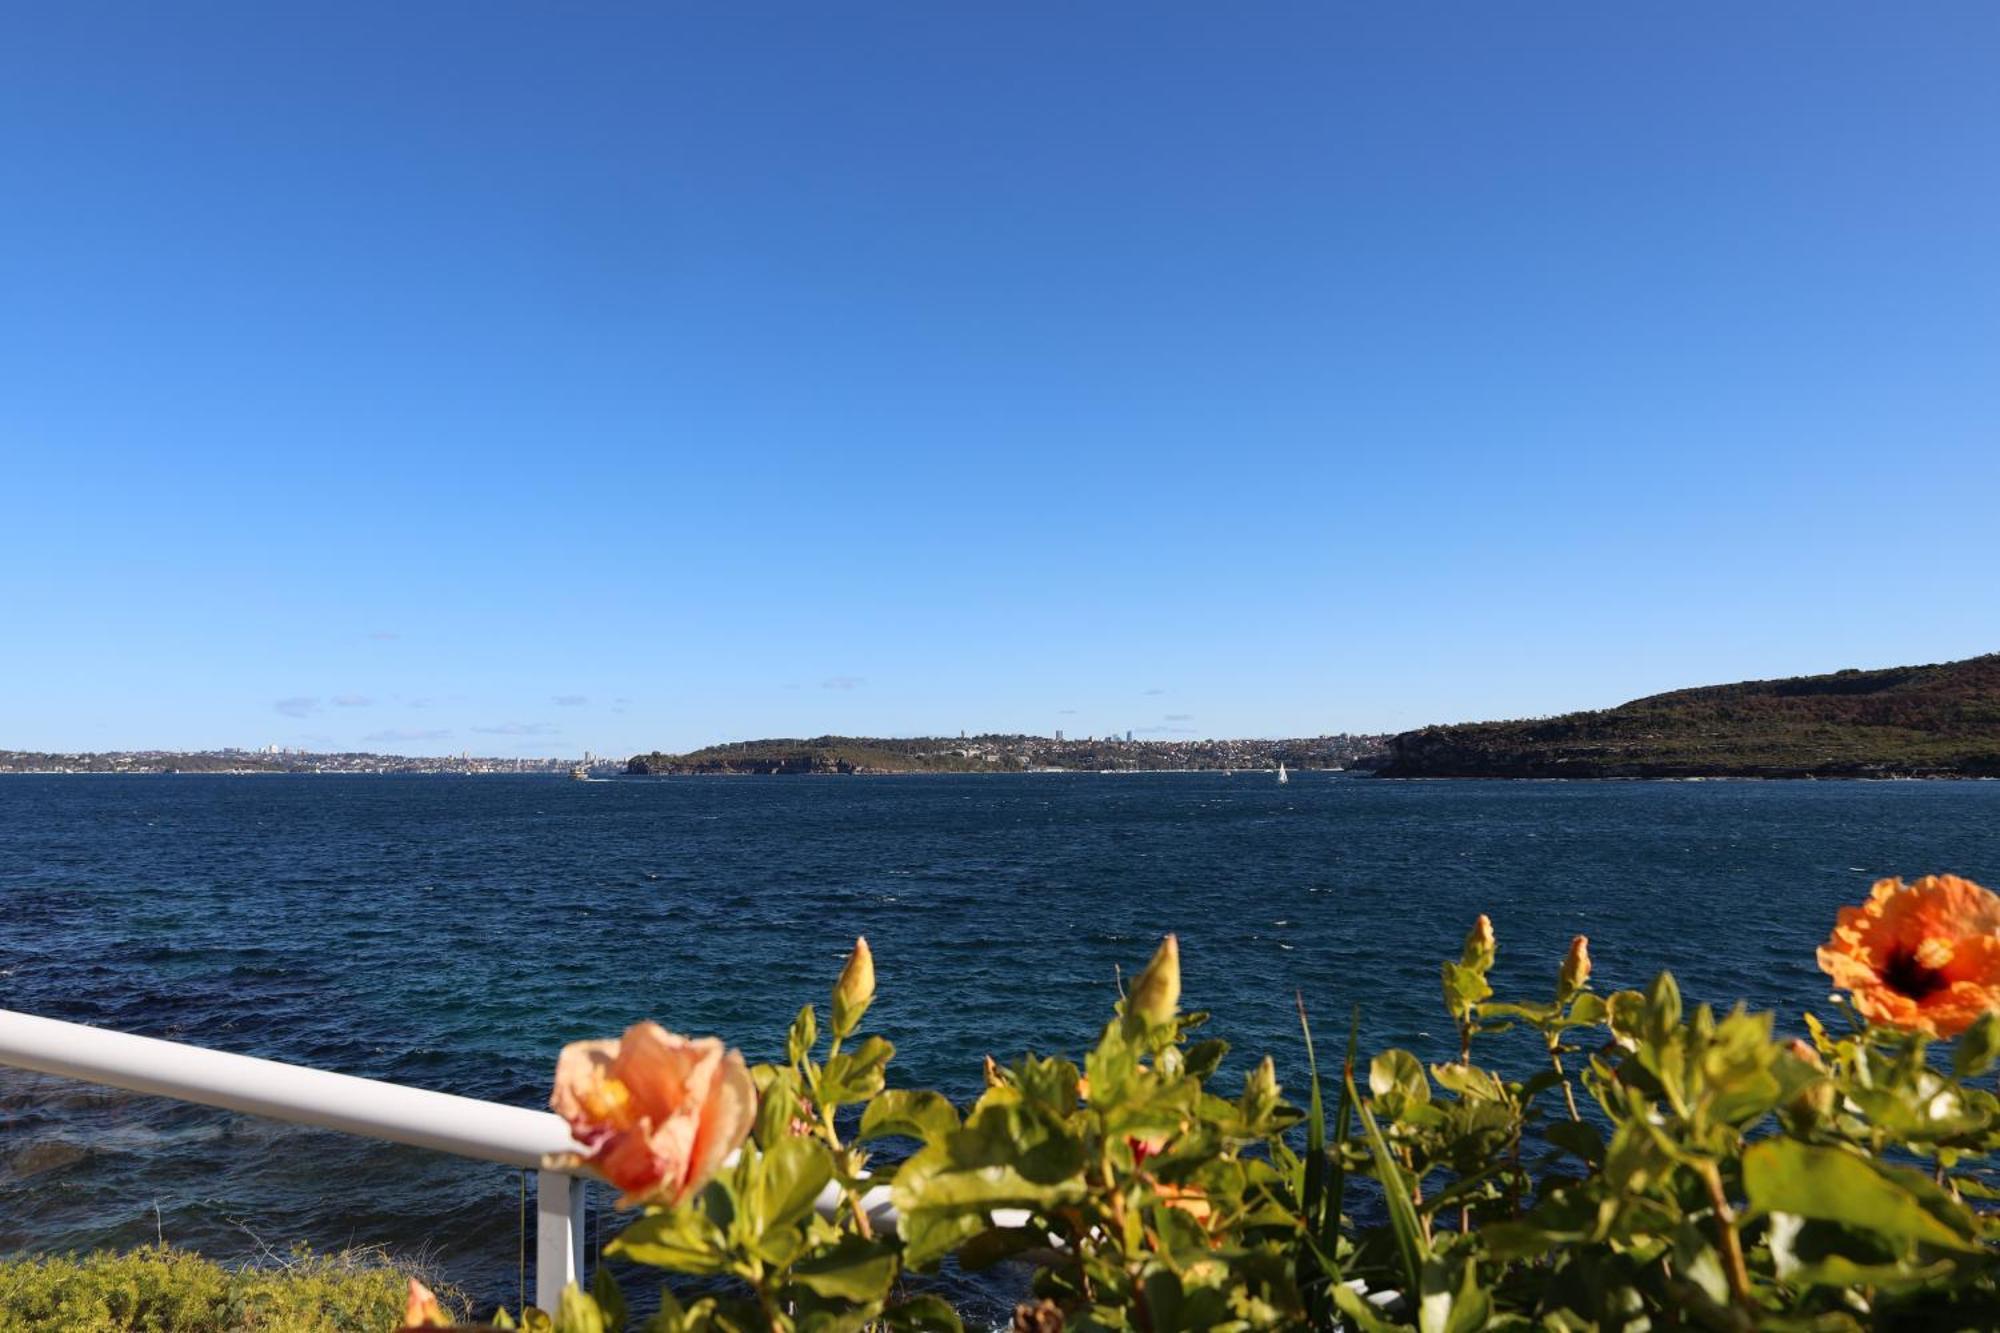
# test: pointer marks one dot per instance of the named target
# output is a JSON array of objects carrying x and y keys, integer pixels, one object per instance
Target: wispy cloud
[
  {"x": 1180, "y": 717},
  {"x": 1156, "y": 690},
  {"x": 518, "y": 729},
  {"x": 843, "y": 683},
  {"x": 1163, "y": 731},
  {"x": 1065, "y": 712},
  {"x": 569, "y": 700},
  {"x": 351, "y": 701},
  {"x": 400, "y": 734},
  {"x": 384, "y": 635},
  {"x": 299, "y": 705}
]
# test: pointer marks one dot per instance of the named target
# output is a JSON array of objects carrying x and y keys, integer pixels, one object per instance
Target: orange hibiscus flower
[
  {"x": 656, "y": 1112},
  {"x": 1924, "y": 957}
]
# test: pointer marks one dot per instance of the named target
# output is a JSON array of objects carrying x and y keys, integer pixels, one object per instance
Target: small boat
[
  {"x": 1282, "y": 775},
  {"x": 579, "y": 773}
]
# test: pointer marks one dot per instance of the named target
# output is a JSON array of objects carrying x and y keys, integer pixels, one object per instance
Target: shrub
[
  {"x": 1650, "y": 1167},
  {"x": 163, "y": 1290}
]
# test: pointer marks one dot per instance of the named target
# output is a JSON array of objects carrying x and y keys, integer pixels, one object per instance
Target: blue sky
[{"x": 527, "y": 378}]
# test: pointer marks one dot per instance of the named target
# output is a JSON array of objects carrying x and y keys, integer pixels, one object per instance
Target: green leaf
[
  {"x": 805, "y": 1031},
  {"x": 1828, "y": 1184},
  {"x": 1204, "y": 1057},
  {"x": 680, "y": 1240},
  {"x": 610, "y": 1300},
  {"x": 1450, "y": 1300},
  {"x": 1978, "y": 1046},
  {"x": 778, "y": 1103},
  {"x": 1470, "y": 1082},
  {"x": 1343, "y": 1129},
  {"x": 1411, "y": 1247},
  {"x": 998, "y": 1244},
  {"x": 1313, "y": 1188},
  {"x": 923, "y": 1314},
  {"x": 930, "y": 1234},
  {"x": 855, "y": 1270},
  {"x": 856, "y": 1075},
  {"x": 788, "y": 1183},
  {"x": 1397, "y": 1080},
  {"x": 918, "y": 1115},
  {"x": 1627, "y": 1016},
  {"x": 578, "y": 1313},
  {"x": 1663, "y": 1007},
  {"x": 1578, "y": 1139},
  {"x": 1464, "y": 988}
]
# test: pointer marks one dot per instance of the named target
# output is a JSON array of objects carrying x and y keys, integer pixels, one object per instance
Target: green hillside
[
  {"x": 823, "y": 754},
  {"x": 1917, "y": 721}
]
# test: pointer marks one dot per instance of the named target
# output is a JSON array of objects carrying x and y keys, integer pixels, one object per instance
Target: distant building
[
  {"x": 1059, "y": 735},
  {"x": 1128, "y": 735}
]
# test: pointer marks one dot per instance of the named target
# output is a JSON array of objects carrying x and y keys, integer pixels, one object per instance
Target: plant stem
[
  {"x": 1569, "y": 1098},
  {"x": 1732, "y": 1244},
  {"x": 846, "y": 1166}
]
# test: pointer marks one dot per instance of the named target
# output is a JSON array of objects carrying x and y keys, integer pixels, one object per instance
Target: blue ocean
[{"x": 453, "y": 933}]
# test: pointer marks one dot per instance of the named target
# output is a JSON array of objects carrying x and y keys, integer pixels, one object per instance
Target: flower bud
[
  {"x": 1479, "y": 945},
  {"x": 1575, "y": 969},
  {"x": 1260, "y": 1091},
  {"x": 1156, "y": 996},
  {"x": 421, "y": 1310},
  {"x": 1816, "y": 1099},
  {"x": 855, "y": 990}
]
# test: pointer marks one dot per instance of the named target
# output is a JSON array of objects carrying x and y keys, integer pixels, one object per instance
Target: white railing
[{"x": 462, "y": 1126}]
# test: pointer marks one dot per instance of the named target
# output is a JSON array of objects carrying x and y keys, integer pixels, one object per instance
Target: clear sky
[{"x": 523, "y": 378}]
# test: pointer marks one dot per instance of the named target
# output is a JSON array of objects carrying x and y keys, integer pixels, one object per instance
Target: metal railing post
[{"x": 558, "y": 1235}]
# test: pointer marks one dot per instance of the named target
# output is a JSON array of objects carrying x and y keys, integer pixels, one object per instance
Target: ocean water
[{"x": 452, "y": 933}]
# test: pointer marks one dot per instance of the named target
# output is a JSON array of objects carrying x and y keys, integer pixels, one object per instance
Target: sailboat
[{"x": 1282, "y": 775}]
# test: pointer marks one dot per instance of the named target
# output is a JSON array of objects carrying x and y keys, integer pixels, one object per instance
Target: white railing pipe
[{"x": 462, "y": 1126}]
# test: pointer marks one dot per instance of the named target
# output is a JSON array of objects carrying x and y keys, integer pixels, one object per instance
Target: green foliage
[
  {"x": 164, "y": 1290},
  {"x": 1921, "y": 720},
  {"x": 1659, "y": 1167}
]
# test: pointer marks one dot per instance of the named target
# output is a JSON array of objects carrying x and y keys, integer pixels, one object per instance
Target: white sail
[{"x": 1282, "y": 775}]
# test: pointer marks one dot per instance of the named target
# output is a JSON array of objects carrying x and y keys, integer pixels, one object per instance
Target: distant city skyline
[{"x": 520, "y": 381}]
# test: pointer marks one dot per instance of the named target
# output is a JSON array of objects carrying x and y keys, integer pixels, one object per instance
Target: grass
[{"x": 163, "y": 1290}]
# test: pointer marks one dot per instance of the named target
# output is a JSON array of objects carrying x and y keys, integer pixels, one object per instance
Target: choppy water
[{"x": 453, "y": 933}]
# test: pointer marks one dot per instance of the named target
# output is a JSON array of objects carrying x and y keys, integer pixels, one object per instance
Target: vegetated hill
[
  {"x": 1004, "y": 754},
  {"x": 1917, "y": 721},
  {"x": 822, "y": 754}
]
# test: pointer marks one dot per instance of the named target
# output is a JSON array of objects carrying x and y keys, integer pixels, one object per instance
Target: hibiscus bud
[
  {"x": 855, "y": 990},
  {"x": 1156, "y": 996},
  {"x": 421, "y": 1310},
  {"x": 1043, "y": 1316},
  {"x": 1260, "y": 1090},
  {"x": 1479, "y": 945},
  {"x": 1815, "y": 1100},
  {"x": 1575, "y": 969}
]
